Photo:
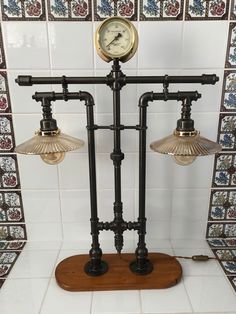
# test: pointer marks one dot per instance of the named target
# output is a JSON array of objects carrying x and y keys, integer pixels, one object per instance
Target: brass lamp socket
[
  {"x": 48, "y": 133},
  {"x": 186, "y": 133}
]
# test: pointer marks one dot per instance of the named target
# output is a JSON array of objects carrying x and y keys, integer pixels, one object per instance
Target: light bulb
[
  {"x": 53, "y": 158},
  {"x": 184, "y": 160}
]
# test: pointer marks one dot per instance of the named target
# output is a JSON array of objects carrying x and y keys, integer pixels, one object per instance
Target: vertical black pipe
[
  {"x": 117, "y": 156},
  {"x": 142, "y": 265},
  {"x": 95, "y": 266}
]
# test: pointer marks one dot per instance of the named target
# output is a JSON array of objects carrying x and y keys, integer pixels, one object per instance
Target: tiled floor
[{"x": 31, "y": 287}]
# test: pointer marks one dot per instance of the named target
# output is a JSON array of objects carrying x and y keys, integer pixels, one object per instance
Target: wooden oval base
[{"x": 70, "y": 273}]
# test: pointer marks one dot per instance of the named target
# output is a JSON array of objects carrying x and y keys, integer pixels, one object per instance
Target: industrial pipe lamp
[{"x": 116, "y": 40}]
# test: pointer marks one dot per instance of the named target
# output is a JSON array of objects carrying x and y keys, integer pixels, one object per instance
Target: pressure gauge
[{"x": 116, "y": 38}]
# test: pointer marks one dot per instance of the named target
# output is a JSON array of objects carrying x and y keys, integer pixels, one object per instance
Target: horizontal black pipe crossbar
[
  {"x": 112, "y": 127},
  {"x": 180, "y": 95},
  {"x": 177, "y": 96},
  {"x": 27, "y": 80},
  {"x": 124, "y": 225}
]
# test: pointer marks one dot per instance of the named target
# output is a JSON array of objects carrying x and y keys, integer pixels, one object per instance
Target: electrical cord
[
  {"x": 197, "y": 258},
  {"x": 204, "y": 258}
]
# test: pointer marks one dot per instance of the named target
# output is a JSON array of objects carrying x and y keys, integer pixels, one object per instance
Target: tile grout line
[
  {"x": 140, "y": 302},
  {"x": 91, "y": 302},
  {"x": 44, "y": 296},
  {"x": 50, "y": 279},
  {"x": 189, "y": 299}
]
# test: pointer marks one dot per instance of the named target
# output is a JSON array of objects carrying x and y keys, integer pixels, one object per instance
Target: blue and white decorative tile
[
  {"x": 69, "y": 10},
  {"x": 107, "y": 8},
  {"x": 7, "y": 260},
  {"x": 1, "y": 282},
  {"x": 7, "y": 140},
  {"x": 230, "y": 230},
  {"x": 161, "y": 10},
  {"x": 233, "y": 10},
  {"x": 5, "y": 104},
  {"x": 23, "y": 10},
  {"x": 207, "y": 9},
  {"x": 222, "y": 243},
  {"x": 227, "y": 261},
  {"x": 221, "y": 230},
  {"x": 227, "y": 131},
  {"x": 127, "y": 9},
  {"x": 222, "y": 205},
  {"x": 12, "y": 245},
  {"x": 228, "y": 102},
  {"x": 9, "y": 175},
  {"x": 230, "y": 242},
  {"x": 2, "y": 53},
  {"x": 230, "y": 61},
  {"x": 225, "y": 254},
  {"x": 213, "y": 243},
  {"x": 10, "y": 232},
  {"x": 11, "y": 209},
  {"x": 215, "y": 230},
  {"x": 224, "y": 170},
  {"x": 232, "y": 280},
  {"x": 229, "y": 267}
]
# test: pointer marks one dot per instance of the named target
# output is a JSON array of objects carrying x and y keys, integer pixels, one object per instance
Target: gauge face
[{"x": 116, "y": 37}]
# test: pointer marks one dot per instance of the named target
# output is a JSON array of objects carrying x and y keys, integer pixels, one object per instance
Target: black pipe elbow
[{"x": 145, "y": 98}]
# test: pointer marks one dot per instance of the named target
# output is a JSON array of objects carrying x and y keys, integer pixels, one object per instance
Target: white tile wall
[
  {"x": 71, "y": 45},
  {"x": 46, "y": 179},
  {"x": 162, "y": 48},
  {"x": 26, "y": 47},
  {"x": 57, "y": 198},
  {"x": 41, "y": 206},
  {"x": 204, "y": 49}
]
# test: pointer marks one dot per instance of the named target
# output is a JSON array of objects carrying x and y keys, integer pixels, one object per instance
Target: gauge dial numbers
[{"x": 116, "y": 38}]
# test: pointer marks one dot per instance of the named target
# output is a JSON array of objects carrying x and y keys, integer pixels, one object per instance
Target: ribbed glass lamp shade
[
  {"x": 185, "y": 144},
  {"x": 44, "y": 143}
]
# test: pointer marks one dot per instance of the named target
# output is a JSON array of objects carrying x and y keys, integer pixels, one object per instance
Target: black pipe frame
[{"x": 116, "y": 80}]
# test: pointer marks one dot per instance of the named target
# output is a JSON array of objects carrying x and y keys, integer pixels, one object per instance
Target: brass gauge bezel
[{"x": 126, "y": 55}]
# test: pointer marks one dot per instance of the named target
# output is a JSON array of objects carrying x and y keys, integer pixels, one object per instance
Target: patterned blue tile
[
  {"x": 10, "y": 232},
  {"x": 230, "y": 61},
  {"x": 11, "y": 208},
  {"x": 7, "y": 139},
  {"x": 222, "y": 243},
  {"x": 227, "y": 131},
  {"x": 107, "y": 8},
  {"x": 7, "y": 260},
  {"x": 222, "y": 205},
  {"x": 161, "y": 10},
  {"x": 23, "y": 10},
  {"x": 207, "y": 10},
  {"x": 9, "y": 174},
  {"x": 221, "y": 230},
  {"x": 232, "y": 280},
  {"x": 233, "y": 10},
  {"x": 12, "y": 245},
  {"x": 224, "y": 170},
  {"x": 228, "y": 102},
  {"x": 74, "y": 10}
]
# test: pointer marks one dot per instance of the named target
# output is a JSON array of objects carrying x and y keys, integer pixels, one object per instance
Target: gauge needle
[{"x": 116, "y": 37}]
